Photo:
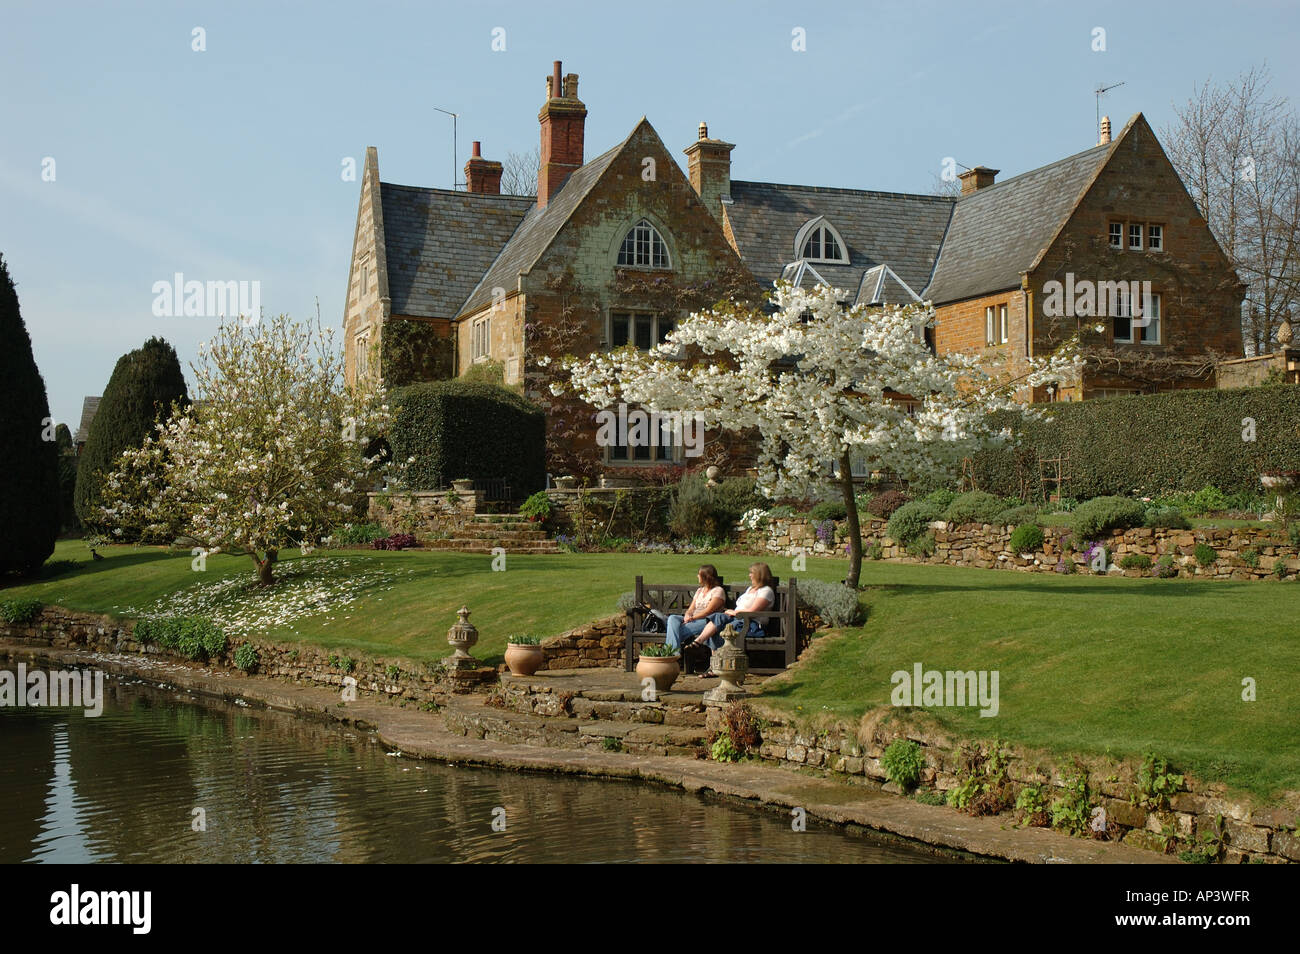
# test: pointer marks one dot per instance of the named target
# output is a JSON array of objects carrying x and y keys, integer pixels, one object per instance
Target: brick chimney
[
  {"x": 1105, "y": 131},
  {"x": 482, "y": 175},
  {"x": 981, "y": 177},
  {"x": 563, "y": 118},
  {"x": 710, "y": 170}
]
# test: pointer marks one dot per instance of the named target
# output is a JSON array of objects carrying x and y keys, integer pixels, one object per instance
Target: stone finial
[
  {"x": 1284, "y": 333},
  {"x": 1105, "y": 131},
  {"x": 461, "y": 637},
  {"x": 704, "y": 130}
]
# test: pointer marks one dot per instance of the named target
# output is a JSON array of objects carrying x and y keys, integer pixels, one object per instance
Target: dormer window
[
  {"x": 643, "y": 247},
  {"x": 818, "y": 241}
]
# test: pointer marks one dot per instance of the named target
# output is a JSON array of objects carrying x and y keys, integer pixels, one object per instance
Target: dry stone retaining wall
[{"x": 989, "y": 547}]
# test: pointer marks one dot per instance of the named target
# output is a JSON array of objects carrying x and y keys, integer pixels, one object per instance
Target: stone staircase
[
  {"x": 483, "y": 531},
  {"x": 564, "y": 710}
]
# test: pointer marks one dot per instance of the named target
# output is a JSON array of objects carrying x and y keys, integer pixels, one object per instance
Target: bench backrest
[{"x": 676, "y": 598}]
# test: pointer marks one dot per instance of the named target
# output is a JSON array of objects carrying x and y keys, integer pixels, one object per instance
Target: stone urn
[
  {"x": 731, "y": 662},
  {"x": 712, "y": 473},
  {"x": 566, "y": 483},
  {"x": 461, "y": 637},
  {"x": 664, "y": 670},
  {"x": 463, "y": 486},
  {"x": 1279, "y": 482},
  {"x": 524, "y": 659}
]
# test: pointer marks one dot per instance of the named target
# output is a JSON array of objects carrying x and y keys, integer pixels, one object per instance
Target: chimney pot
[
  {"x": 482, "y": 175},
  {"x": 476, "y": 152},
  {"x": 1105, "y": 131},
  {"x": 704, "y": 130},
  {"x": 556, "y": 86}
]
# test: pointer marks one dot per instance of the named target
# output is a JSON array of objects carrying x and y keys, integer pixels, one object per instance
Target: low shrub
[
  {"x": 1169, "y": 518},
  {"x": 1135, "y": 561},
  {"x": 876, "y": 552},
  {"x": 1166, "y": 568},
  {"x": 195, "y": 637},
  {"x": 1015, "y": 516},
  {"x": 1032, "y": 806},
  {"x": 1250, "y": 557},
  {"x": 1208, "y": 499},
  {"x": 1072, "y": 811},
  {"x": 1097, "y": 517},
  {"x": 836, "y": 603},
  {"x": 697, "y": 509},
  {"x": 1027, "y": 538},
  {"x": 928, "y": 796},
  {"x": 974, "y": 507},
  {"x": 246, "y": 657},
  {"x": 398, "y": 541},
  {"x": 1065, "y": 566},
  {"x": 1279, "y": 568},
  {"x": 19, "y": 610},
  {"x": 1206, "y": 555},
  {"x": 884, "y": 504},
  {"x": 940, "y": 498},
  {"x": 537, "y": 507},
  {"x": 902, "y": 762},
  {"x": 828, "y": 510},
  {"x": 359, "y": 533},
  {"x": 922, "y": 547},
  {"x": 913, "y": 519}
]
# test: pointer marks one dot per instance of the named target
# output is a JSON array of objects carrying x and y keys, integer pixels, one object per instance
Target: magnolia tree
[
  {"x": 271, "y": 455},
  {"x": 822, "y": 382}
]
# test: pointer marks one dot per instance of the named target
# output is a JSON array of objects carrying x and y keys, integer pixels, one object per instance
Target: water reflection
[{"x": 124, "y": 788}]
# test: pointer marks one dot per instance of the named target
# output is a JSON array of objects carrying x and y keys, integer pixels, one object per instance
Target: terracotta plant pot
[
  {"x": 664, "y": 670},
  {"x": 524, "y": 660}
]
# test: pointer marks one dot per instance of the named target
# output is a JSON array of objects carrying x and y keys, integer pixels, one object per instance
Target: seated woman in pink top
[{"x": 759, "y": 597}]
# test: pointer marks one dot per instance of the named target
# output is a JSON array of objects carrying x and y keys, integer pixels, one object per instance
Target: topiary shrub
[
  {"x": 1027, "y": 538},
  {"x": 413, "y": 351},
  {"x": 902, "y": 762},
  {"x": 1095, "y": 518},
  {"x": 973, "y": 507},
  {"x": 29, "y": 479},
  {"x": 836, "y": 603},
  {"x": 1135, "y": 561},
  {"x": 145, "y": 386},
  {"x": 884, "y": 504},
  {"x": 1169, "y": 518},
  {"x": 453, "y": 429},
  {"x": 1206, "y": 555},
  {"x": 828, "y": 510},
  {"x": 912, "y": 520}
]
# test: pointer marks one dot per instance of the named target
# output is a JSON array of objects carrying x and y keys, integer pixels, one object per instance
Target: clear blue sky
[{"x": 225, "y": 164}]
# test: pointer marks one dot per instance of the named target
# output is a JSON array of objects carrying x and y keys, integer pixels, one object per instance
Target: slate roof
[
  {"x": 539, "y": 227},
  {"x": 439, "y": 243},
  {"x": 89, "y": 408},
  {"x": 998, "y": 232},
  {"x": 902, "y": 231}
]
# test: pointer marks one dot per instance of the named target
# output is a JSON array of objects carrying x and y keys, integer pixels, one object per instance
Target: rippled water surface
[{"x": 124, "y": 787}]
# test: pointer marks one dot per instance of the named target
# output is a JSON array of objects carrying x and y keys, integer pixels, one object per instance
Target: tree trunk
[
  {"x": 851, "y": 515},
  {"x": 265, "y": 568}
]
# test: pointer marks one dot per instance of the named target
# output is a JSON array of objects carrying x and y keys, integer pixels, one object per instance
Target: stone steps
[
  {"x": 484, "y": 531},
  {"x": 468, "y": 545}
]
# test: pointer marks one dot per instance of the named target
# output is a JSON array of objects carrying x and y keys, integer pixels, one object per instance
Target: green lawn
[
  {"x": 1096, "y": 666},
  {"x": 1088, "y": 665}
]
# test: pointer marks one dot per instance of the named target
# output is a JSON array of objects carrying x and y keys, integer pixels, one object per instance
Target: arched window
[
  {"x": 643, "y": 247},
  {"x": 818, "y": 241}
]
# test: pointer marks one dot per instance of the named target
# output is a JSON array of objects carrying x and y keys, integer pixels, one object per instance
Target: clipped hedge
[
  {"x": 455, "y": 429},
  {"x": 1157, "y": 443}
]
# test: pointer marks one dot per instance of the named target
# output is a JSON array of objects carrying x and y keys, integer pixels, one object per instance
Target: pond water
[{"x": 128, "y": 785}]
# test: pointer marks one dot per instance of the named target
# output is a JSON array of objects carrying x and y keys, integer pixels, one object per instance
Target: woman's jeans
[
  {"x": 679, "y": 628},
  {"x": 722, "y": 621}
]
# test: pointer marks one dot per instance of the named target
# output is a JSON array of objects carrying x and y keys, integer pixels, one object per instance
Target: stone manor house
[{"x": 996, "y": 262}]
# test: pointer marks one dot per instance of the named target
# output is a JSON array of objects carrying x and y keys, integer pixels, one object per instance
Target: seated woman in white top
[
  {"x": 709, "y": 598},
  {"x": 759, "y": 597}
]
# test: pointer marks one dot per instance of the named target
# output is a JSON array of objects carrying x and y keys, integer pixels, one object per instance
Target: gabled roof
[
  {"x": 878, "y": 227},
  {"x": 439, "y": 243},
  {"x": 882, "y": 286},
  {"x": 999, "y": 232},
  {"x": 538, "y": 229},
  {"x": 89, "y": 408}
]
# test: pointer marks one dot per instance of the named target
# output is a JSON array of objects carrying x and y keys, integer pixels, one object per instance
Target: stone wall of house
[
  {"x": 595, "y": 645},
  {"x": 424, "y": 513},
  {"x": 634, "y": 512},
  {"x": 989, "y": 547},
  {"x": 1252, "y": 834}
]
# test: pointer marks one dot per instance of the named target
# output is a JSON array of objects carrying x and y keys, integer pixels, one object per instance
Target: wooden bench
[{"x": 770, "y": 653}]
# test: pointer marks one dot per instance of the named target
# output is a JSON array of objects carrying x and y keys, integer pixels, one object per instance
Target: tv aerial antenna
[
  {"x": 454, "y": 158},
  {"x": 1101, "y": 91}
]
